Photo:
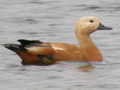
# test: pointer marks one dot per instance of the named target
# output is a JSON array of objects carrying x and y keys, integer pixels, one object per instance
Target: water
[{"x": 54, "y": 20}]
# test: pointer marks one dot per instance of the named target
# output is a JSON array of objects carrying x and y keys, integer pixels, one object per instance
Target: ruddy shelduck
[{"x": 35, "y": 52}]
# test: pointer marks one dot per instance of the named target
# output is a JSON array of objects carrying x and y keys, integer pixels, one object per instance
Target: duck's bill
[{"x": 102, "y": 27}]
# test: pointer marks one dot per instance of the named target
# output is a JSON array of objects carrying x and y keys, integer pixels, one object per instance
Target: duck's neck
[
  {"x": 85, "y": 41},
  {"x": 90, "y": 49}
]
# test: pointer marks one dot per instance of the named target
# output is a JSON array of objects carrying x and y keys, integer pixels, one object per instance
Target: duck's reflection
[{"x": 87, "y": 68}]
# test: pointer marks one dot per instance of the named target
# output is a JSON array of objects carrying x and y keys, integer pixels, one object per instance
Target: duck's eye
[{"x": 91, "y": 21}]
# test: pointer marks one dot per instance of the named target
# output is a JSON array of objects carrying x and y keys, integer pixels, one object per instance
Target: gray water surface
[{"x": 55, "y": 20}]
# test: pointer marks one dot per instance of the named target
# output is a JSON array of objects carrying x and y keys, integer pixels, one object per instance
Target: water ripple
[{"x": 54, "y": 20}]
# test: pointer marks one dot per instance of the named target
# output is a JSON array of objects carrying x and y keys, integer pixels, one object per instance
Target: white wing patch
[
  {"x": 32, "y": 48},
  {"x": 57, "y": 48}
]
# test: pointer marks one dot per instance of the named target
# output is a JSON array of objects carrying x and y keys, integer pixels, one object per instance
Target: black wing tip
[
  {"x": 15, "y": 47},
  {"x": 9, "y": 45},
  {"x": 26, "y": 42},
  {"x": 12, "y": 47},
  {"x": 6, "y": 45}
]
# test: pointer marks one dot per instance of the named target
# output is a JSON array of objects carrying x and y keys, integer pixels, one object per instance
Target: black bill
[{"x": 102, "y": 27}]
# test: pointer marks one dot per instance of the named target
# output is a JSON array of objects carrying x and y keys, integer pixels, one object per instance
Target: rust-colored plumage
[{"x": 41, "y": 53}]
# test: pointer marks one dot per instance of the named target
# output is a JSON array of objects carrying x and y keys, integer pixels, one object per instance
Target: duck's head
[{"x": 87, "y": 25}]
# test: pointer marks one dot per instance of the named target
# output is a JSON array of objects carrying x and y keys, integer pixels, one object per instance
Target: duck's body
[{"x": 37, "y": 52}]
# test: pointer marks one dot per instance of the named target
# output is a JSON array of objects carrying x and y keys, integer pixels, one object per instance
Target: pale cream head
[{"x": 87, "y": 25}]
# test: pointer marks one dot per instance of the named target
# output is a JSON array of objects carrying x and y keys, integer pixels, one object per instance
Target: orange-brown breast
[{"x": 67, "y": 52}]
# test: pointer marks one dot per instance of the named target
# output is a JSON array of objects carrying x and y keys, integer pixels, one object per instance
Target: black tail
[
  {"x": 22, "y": 45},
  {"x": 14, "y": 47}
]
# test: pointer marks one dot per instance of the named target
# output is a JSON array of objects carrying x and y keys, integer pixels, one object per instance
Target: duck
[{"x": 36, "y": 52}]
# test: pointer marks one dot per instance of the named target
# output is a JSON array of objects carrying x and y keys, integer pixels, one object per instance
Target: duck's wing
[{"x": 48, "y": 48}]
